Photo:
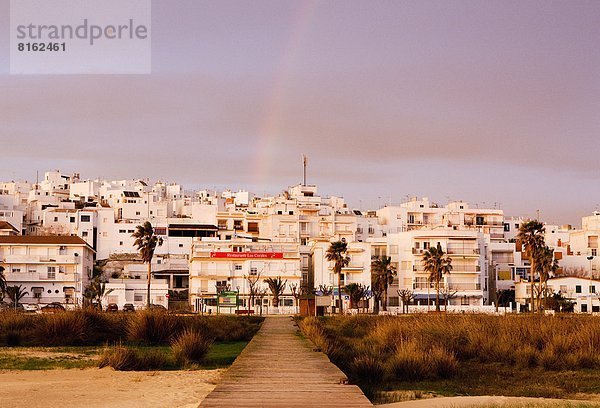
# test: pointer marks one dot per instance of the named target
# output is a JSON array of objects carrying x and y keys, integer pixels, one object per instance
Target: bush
[
  {"x": 123, "y": 358},
  {"x": 61, "y": 329},
  {"x": 409, "y": 363},
  {"x": 153, "y": 327},
  {"x": 191, "y": 347}
]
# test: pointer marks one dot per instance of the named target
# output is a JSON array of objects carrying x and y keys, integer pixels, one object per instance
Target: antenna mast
[{"x": 304, "y": 162}]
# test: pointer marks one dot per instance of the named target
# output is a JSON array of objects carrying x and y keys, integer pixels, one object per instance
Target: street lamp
[{"x": 590, "y": 258}]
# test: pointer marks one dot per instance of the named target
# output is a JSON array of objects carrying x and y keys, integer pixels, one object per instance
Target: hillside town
[{"x": 59, "y": 235}]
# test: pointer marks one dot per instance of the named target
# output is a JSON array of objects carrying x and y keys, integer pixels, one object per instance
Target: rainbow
[{"x": 270, "y": 129}]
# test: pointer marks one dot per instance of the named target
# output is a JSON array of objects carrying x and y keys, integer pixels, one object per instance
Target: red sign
[{"x": 247, "y": 255}]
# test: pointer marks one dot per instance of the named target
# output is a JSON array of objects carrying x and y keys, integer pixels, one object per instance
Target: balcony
[
  {"x": 455, "y": 268},
  {"x": 38, "y": 277},
  {"x": 464, "y": 251},
  {"x": 39, "y": 259},
  {"x": 464, "y": 286}
]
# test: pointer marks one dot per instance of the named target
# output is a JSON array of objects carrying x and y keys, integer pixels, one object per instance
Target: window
[
  {"x": 121, "y": 231},
  {"x": 393, "y": 249},
  {"x": 237, "y": 267},
  {"x": 394, "y": 301},
  {"x": 253, "y": 271},
  {"x": 237, "y": 248},
  {"x": 85, "y": 218},
  {"x": 138, "y": 298},
  {"x": 180, "y": 245},
  {"x": 121, "y": 243},
  {"x": 51, "y": 272},
  {"x": 55, "y": 219},
  {"x": 16, "y": 270},
  {"x": 506, "y": 227},
  {"x": 584, "y": 308},
  {"x": 71, "y": 219},
  {"x": 592, "y": 289},
  {"x": 84, "y": 234},
  {"x": 578, "y": 289},
  {"x": 288, "y": 302},
  {"x": 371, "y": 230},
  {"x": 37, "y": 292},
  {"x": 137, "y": 213},
  {"x": 594, "y": 252}
]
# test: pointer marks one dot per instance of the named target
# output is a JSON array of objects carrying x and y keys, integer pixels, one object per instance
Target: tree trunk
[
  {"x": 532, "y": 285},
  {"x": 149, "y": 277},
  {"x": 375, "y": 305},
  {"x": 385, "y": 298},
  {"x": 340, "y": 291},
  {"x": 437, "y": 295}
]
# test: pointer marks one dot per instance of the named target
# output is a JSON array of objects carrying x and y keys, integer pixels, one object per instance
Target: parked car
[
  {"x": 157, "y": 307},
  {"x": 32, "y": 307},
  {"x": 128, "y": 307},
  {"x": 112, "y": 307},
  {"x": 53, "y": 307}
]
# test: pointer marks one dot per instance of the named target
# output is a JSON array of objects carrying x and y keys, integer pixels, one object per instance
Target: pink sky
[{"x": 485, "y": 101}]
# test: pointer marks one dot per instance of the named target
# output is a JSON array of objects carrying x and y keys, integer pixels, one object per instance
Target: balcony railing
[
  {"x": 464, "y": 286},
  {"x": 462, "y": 251}
]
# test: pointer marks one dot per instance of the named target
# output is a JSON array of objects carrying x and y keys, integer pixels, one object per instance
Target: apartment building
[
  {"x": 50, "y": 268},
  {"x": 467, "y": 284},
  {"x": 217, "y": 265},
  {"x": 584, "y": 293}
]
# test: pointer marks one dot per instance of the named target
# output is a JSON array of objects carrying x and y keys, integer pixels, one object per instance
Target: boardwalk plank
[{"x": 280, "y": 369}]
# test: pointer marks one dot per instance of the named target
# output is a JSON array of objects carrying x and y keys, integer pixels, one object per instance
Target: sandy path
[
  {"x": 447, "y": 402},
  {"x": 105, "y": 387}
]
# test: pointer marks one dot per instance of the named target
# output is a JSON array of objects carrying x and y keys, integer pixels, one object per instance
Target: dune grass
[{"x": 537, "y": 356}]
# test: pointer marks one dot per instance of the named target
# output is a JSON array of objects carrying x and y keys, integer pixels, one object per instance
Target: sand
[
  {"x": 93, "y": 387},
  {"x": 454, "y": 402}
]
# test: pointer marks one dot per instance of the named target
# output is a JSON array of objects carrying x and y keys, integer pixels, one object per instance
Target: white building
[
  {"x": 215, "y": 265},
  {"x": 50, "y": 268},
  {"x": 583, "y": 292}
]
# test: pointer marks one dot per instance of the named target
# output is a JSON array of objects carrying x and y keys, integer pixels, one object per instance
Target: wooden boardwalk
[{"x": 280, "y": 369}]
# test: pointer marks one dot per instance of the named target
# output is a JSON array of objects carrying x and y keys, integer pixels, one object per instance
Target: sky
[{"x": 492, "y": 102}]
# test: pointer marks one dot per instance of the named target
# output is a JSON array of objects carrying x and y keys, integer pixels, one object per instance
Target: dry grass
[
  {"x": 386, "y": 350},
  {"x": 90, "y": 328},
  {"x": 191, "y": 347}
]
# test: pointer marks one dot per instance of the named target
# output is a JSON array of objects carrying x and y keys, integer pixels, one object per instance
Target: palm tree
[
  {"x": 146, "y": 242},
  {"x": 15, "y": 294},
  {"x": 96, "y": 290},
  {"x": 546, "y": 264},
  {"x": 2, "y": 283},
  {"x": 437, "y": 265},
  {"x": 384, "y": 272},
  {"x": 336, "y": 253},
  {"x": 277, "y": 287},
  {"x": 531, "y": 237}
]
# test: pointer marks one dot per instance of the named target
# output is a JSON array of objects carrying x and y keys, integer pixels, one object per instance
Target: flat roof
[{"x": 43, "y": 240}]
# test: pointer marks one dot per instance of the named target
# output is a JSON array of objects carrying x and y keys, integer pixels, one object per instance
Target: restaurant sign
[{"x": 247, "y": 255}]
